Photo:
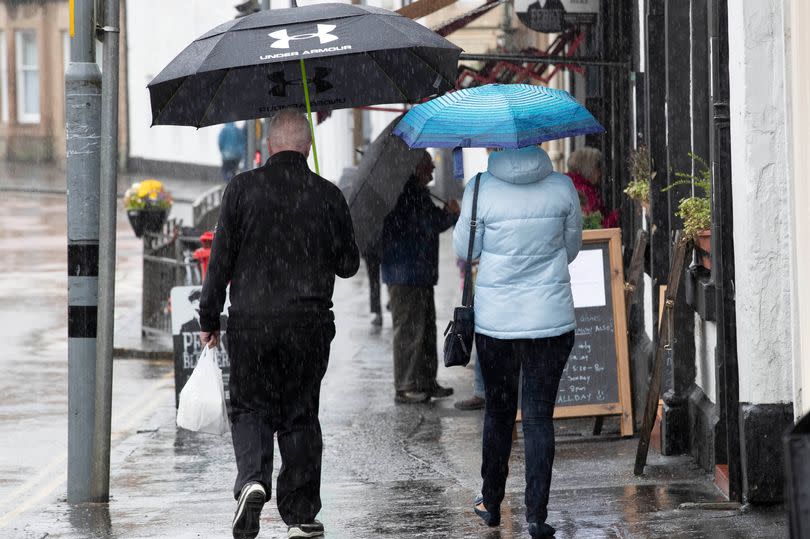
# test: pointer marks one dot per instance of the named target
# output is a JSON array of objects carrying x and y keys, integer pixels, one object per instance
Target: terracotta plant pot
[
  {"x": 146, "y": 220},
  {"x": 704, "y": 245}
]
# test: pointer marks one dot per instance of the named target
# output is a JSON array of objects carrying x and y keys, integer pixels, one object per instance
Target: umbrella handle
[{"x": 309, "y": 115}]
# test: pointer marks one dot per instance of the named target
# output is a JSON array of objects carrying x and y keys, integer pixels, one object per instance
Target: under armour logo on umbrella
[
  {"x": 283, "y": 39},
  {"x": 318, "y": 82}
]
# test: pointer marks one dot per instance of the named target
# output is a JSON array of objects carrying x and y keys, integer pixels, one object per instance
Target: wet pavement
[{"x": 389, "y": 470}]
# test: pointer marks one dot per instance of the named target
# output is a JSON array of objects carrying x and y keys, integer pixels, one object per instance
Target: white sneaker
[
  {"x": 313, "y": 529},
  {"x": 248, "y": 511}
]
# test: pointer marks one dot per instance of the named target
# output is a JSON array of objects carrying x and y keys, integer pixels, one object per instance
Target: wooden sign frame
[{"x": 624, "y": 407}]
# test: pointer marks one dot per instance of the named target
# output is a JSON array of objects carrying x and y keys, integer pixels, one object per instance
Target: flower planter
[
  {"x": 704, "y": 248},
  {"x": 143, "y": 221}
]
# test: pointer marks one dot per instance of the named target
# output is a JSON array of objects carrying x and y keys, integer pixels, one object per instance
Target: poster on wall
[{"x": 556, "y": 15}]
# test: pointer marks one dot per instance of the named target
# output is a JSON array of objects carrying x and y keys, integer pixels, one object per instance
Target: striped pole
[{"x": 83, "y": 134}]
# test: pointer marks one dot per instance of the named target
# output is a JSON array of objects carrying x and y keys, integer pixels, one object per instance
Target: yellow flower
[{"x": 147, "y": 187}]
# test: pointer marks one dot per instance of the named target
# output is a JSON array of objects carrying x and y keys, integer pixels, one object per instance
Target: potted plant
[
  {"x": 696, "y": 210},
  {"x": 147, "y": 204},
  {"x": 592, "y": 220},
  {"x": 641, "y": 174}
]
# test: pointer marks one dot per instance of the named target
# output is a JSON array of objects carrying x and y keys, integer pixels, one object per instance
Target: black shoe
[
  {"x": 473, "y": 403},
  {"x": 248, "y": 511},
  {"x": 439, "y": 392},
  {"x": 541, "y": 531},
  {"x": 376, "y": 320},
  {"x": 411, "y": 397},
  {"x": 490, "y": 518},
  {"x": 313, "y": 529}
]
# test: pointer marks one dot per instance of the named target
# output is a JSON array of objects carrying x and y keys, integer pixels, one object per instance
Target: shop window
[{"x": 27, "y": 58}]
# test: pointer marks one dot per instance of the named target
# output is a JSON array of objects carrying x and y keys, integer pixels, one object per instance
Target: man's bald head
[{"x": 289, "y": 131}]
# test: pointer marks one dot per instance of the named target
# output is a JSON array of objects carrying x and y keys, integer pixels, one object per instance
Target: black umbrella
[
  {"x": 381, "y": 174},
  {"x": 252, "y": 67}
]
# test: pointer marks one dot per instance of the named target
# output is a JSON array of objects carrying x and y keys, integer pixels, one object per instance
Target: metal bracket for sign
[
  {"x": 683, "y": 248},
  {"x": 569, "y": 60}
]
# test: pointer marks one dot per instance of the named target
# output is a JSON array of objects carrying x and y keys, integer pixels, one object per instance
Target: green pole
[{"x": 309, "y": 115}]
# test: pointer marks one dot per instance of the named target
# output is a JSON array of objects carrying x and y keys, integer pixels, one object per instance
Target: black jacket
[
  {"x": 283, "y": 234},
  {"x": 410, "y": 239}
]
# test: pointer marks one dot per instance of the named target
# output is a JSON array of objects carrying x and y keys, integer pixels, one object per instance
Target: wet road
[{"x": 389, "y": 470}]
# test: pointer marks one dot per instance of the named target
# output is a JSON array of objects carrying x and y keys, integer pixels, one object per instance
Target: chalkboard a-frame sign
[{"x": 596, "y": 380}]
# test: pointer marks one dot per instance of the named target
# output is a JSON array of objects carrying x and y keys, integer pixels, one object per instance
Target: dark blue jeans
[{"x": 542, "y": 362}]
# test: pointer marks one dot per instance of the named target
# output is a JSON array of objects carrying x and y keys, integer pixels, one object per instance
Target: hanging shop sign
[{"x": 553, "y": 16}]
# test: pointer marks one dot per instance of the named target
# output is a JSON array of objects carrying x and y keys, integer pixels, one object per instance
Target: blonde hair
[{"x": 585, "y": 162}]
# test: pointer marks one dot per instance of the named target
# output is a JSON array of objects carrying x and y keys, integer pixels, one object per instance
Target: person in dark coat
[
  {"x": 410, "y": 268},
  {"x": 283, "y": 235}
]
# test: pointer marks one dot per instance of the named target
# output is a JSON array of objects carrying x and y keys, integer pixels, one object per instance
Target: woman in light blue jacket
[{"x": 529, "y": 230}]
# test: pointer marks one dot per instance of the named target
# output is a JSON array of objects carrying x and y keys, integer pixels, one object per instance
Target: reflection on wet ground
[{"x": 388, "y": 471}]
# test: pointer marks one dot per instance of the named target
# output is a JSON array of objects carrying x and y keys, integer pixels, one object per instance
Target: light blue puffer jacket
[{"x": 529, "y": 230}]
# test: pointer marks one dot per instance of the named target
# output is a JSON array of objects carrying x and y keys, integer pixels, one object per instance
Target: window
[
  {"x": 3, "y": 79},
  {"x": 27, "y": 77}
]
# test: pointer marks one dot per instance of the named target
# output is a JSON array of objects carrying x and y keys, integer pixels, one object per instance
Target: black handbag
[{"x": 460, "y": 332}]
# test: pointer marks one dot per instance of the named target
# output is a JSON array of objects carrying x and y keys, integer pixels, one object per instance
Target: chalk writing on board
[{"x": 590, "y": 376}]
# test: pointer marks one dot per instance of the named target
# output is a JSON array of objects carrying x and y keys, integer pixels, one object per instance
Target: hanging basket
[{"x": 143, "y": 221}]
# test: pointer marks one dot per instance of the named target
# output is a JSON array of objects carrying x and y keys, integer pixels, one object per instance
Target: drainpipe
[
  {"x": 100, "y": 483},
  {"x": 722, "y": 274}
]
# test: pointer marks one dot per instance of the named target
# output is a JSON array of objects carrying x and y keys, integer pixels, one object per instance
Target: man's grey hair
[{"x": 289, "y": 131}]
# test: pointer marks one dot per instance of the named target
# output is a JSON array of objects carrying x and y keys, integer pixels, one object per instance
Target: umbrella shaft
[{"x": 309, "y": 115}]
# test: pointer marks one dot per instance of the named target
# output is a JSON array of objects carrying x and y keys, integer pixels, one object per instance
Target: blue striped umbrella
[{"x": 496, "y": 116}]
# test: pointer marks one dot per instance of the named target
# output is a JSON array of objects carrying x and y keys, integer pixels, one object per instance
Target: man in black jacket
[
  {"x": 283, "y": 235},
  {"x": 410, "y": 268}
]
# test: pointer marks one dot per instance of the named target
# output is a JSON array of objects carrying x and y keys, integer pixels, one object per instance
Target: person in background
[
  {"x": 283, "y": 235},
  {"x": 585, "y": 170},
  {"x": 529, "y": 231},
  {"x": 372, "y": 259},
  {"x": 232, "y": 145},
  {"x": 410, "y": 268}
]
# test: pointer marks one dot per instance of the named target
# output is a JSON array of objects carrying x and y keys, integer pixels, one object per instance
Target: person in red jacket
[{"x": 585, "y": 170}]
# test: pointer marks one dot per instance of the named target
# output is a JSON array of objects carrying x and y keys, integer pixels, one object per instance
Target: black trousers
[
  {"x": 275, "y": 388},
  {"x": 542, "y": 362},
  {"x": 373, "y": 270},
  {"x": 415, "y": 357}
]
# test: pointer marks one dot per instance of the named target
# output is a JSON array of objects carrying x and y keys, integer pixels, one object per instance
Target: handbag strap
[{"x": 466, "y": 299}]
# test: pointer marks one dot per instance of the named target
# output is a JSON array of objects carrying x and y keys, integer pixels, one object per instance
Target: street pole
[
  {"x": 83, "y": 126},
  {"x": 100, "y": 483}
]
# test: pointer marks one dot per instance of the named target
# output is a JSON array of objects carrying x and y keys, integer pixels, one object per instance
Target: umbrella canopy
[
  {"x": 251, "y": 67},
  {"x": 496, "y": 116},
  {"x": 381, "y": 174}
]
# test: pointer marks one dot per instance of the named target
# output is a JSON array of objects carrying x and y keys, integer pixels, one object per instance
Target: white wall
[
  {"x": 156, "y": 32},
  {"x": 762, "y": 209},
  {"x": 798, "y": 45}
]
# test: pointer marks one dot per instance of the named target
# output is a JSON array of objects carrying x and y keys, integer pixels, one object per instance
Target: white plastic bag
[{"x": 202, "y": 399}]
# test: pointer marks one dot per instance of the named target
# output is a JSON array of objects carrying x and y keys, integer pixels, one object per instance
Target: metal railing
[
  {"x": 205, "y": 210},
  {"x": 167, "y": 262}
]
